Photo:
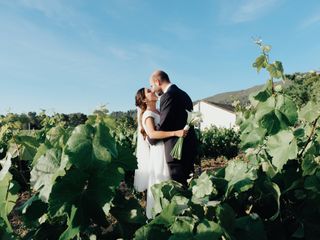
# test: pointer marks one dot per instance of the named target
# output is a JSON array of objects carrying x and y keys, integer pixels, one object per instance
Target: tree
[{"x": 304, "y": 87}]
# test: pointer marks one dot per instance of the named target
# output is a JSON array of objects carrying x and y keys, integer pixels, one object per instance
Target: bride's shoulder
[{"x": 147, "y": 113}]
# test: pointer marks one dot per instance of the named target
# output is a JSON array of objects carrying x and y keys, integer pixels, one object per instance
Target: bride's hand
[{"x": 181, "y": 133}]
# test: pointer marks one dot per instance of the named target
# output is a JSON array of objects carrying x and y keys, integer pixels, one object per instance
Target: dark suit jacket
[{"x": 173, "y": 116}]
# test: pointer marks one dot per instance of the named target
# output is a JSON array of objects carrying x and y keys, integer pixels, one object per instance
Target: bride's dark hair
[{"x": 141, "y": 103}]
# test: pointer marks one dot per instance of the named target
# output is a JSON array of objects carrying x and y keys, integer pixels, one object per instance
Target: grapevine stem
[
  {"x": 7, "y": 193},
  {"x": 314, "y": 124},
  {"x": 20, "y": 166}
]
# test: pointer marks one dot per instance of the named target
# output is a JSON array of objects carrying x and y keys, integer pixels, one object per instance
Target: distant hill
[{"x": 229, "y": 97}]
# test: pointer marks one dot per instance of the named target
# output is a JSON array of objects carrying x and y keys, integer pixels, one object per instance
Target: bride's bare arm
[{"x": 154, "y": 134}]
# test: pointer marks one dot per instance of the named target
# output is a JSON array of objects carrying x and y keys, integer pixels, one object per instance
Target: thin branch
[{"x": 314, "y": 124}]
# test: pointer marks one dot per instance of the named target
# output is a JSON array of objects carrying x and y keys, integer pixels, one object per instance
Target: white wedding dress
[
  {"x": 141, "y": 174},
  {"x": 156, "y": 166}
]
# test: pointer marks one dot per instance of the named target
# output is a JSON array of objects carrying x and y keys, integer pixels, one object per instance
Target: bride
[{"x": 152, "y": 165}]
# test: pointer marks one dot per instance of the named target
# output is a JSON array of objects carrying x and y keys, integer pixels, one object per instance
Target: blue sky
[{"x": 74, "y": 55}]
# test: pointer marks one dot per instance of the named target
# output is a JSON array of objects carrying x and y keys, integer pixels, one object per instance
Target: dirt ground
[
  {"x": 15, "y": 218},
  {"x": 210, "y": 165}
]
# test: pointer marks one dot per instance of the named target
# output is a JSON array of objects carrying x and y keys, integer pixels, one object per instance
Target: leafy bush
[
  {"x": 74, "y": 182},
  {"x": 125, "y": 132},
  {"x": 216, "y": 142},
  {"x": 304, "y": 87}
]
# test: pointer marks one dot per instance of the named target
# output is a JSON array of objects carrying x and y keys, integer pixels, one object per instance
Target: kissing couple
[{"x": 158, "y": 132}]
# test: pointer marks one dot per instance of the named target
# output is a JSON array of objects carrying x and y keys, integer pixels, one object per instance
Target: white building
[{"x": 220, "y": 115}]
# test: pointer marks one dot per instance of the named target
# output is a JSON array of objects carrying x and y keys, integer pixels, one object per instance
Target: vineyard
[{"x": 71, "y": 180}]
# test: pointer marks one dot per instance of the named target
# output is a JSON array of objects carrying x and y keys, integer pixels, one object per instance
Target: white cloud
[
  {"x": 59, "y": 12},
  {"x": 48, "y": 8},
  {"x": 179, "y": 30},
  {"x": 311, "y": 20},
  {"x": 120, "y": 53},
  {"x": 120, "y": 9},
  {"x": 252, "y": 9},
  {"x": 245, "y": 10},
  {"x": 152, "y": 55}
]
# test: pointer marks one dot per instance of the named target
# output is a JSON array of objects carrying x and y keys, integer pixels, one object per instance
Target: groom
[{"x": 173, "y": 116}]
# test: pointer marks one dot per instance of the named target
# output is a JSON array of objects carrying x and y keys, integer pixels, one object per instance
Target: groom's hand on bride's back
[{"x": 152, "y": 141}]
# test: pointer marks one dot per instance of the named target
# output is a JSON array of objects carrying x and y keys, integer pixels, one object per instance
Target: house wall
[{"x": 212, "y": 115}]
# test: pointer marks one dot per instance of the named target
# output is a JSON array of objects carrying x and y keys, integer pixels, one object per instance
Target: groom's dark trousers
[{"x": 173, "y": 116}]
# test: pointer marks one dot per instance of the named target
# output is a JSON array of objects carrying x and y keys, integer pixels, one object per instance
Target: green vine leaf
[
  {"x": 282, "y": 147},
  {"x": 260, "y": 62},
  {"x": 310, "y": 112},
  {"x": 8, "y": 197},
  {"x": 275, "y": 69}
]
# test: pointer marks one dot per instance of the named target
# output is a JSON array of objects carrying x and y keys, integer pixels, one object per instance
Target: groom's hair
[{"x": 161, "y": 76}]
